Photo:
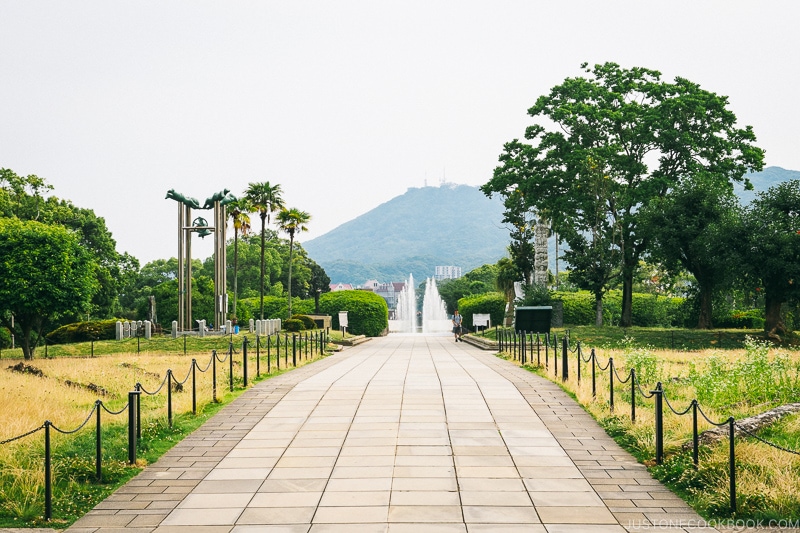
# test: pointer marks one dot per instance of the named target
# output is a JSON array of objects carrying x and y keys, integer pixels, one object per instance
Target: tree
[
  {"x": 771, "y": 245},
  {"x": 646, "y": 135},
  {"x": 238, "y": 211},
  {"x": 691, "y": 229},
  {"x": 266, "y": 199},
  {"x": 507, "y": 274},
  {"x": 522, "y": 230},
  {"x": 320, "y": 283},
  {"x": 292, "y": 221},
  {"x": 46, "y": 274}
]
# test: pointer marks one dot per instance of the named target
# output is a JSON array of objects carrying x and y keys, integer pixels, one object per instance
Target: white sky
[{"x": 346, "y": 104}]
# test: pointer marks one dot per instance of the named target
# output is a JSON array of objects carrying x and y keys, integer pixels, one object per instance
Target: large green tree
[
  {"x": 691, "y": 229},
  {"x": 265, "y": 198},
  {"x": 47, "y": 274},
  {"x": 770, "y": 244},
  {"x": 646, "y": 135},
  {"x": 292, "y": 221}
]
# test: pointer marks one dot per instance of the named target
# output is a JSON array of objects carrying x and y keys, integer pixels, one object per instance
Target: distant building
[
  {"x": 447, "y": 272},
  {"x": 341, "y": 287},
  {"x": 387, "y": 291}
]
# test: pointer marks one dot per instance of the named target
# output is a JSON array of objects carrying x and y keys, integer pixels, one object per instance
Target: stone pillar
[
  {"x": 228, "y": 327},
  {"x": 118, "y": 329},
  {"x": 126, "y": 330},
  {"x": 174, "y": 329},
  {"x": 251, "y": 324},
  {"x": 148, "y": 331},
  {"x": 201, "y": 327}
]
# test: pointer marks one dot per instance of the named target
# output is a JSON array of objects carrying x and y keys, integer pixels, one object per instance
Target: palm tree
[
  {"x": 265, "y": 199},
  {"x": 292, "y": 221},
  {"x": 238, "y": 210},
  {"x": 507, "y": 275}
]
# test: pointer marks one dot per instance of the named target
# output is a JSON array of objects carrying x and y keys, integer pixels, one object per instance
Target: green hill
[{"x": 413, "y": 233}]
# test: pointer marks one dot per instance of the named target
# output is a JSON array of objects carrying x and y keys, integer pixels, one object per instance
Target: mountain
[
  {"x": 413, "y": 233},
  {"x": 763, "y": 180}
]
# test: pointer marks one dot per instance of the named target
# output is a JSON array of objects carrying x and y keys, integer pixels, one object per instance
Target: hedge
[
  {"x": 493, "y": 303},
  {"x": 84, "y": 331},
  {"x": 648, "y": 310},
  {"x": 274, "y": 307},
  {"x": 367, "y": 313}
]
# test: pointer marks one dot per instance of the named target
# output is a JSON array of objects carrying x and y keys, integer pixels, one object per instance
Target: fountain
[
  {"x": 406, "y": 312},
  {"x": 434, "y": 314}
]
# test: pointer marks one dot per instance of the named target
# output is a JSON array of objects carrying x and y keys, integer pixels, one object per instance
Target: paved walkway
[{"x": 400, "y": 434}]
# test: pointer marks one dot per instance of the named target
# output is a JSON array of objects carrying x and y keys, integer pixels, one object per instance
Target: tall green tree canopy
[
  {"x": 47, "y": 274},
  {"x": 646, "y": 135},
  {"x": 771, "y": 247},
  {"x": 692, "y": 228}
]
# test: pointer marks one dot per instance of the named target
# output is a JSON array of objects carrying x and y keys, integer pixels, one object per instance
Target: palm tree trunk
[
  {"x": 291, "y": 250},
  {"x": 263, "y": 225},
  {"x": 235, "y": 269}
]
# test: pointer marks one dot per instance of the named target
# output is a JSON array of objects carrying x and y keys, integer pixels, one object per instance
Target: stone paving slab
[{"x": 404, "y": 433}]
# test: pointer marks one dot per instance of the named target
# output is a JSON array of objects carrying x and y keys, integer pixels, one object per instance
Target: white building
[{"x": 447, "y": 272}]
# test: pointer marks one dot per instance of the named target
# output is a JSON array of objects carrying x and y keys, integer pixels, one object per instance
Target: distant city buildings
[{"x": 447, "y": 272}]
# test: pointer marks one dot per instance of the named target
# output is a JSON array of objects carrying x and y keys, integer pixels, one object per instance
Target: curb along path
[{"x": 401, "y": 434}]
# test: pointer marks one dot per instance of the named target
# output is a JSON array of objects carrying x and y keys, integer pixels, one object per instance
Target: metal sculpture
[{"x": 199, "y": 225}]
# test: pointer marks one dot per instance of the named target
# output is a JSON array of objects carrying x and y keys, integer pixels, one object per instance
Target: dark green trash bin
[{"x": 533, "y": 319}]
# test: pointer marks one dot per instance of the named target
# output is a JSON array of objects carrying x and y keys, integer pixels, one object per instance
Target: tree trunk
[
  {"x": 773, "y": 322},
  {"x": 704, "y": 321},
  {"x": 262, "y": 265},
  {"x": 626, "y": 319},
  {"x": 598, "y": 310},
  {"x": 235, "y": 268},
  {"x": 28, "y": 347},
  {"x": 291, "y": 246}
]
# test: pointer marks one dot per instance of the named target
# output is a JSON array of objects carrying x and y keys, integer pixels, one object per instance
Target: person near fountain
[{"x": 457, "y": 330}]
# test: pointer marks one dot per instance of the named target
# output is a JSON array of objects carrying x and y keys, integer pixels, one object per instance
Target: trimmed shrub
[
  {"x": 308, "y": 322},
  {"x": 493, "y": 303},
  {"x": 84, "y": 332},
  {"x": 751, "y": 319},
  {"x": 367, "y": 313},
  {"x": 578, "y": 307},
  {"x": 293, "y": 324},
  {"x": 274, "y": 307}
]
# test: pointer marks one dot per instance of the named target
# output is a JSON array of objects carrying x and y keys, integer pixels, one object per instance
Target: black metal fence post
[
  {"x": 732, "y": 463},
  {"x": 594, "y": 379},
  {"x": 132, "y": 426},
  {"x": 194, "y": 386},
  {"x": 294, "y": 350},
  {"x": 244, "y": 361},
  {"x": 611, "y": 382},
  {"x": 258, "y": 356},
  {"x": 695, "y": 435},
  {"x": 230, "y": 365},
  {"x": 98, "y": 443},
  {"x": 48, "y": 473},
  {"x": 580, "y": 360},
  {"x": 286, "y": 350},
  {"x": 169, "y": 397},
  {"x": 659, "y": 413},
  {"x": 184, "y": 344},
  {"x": 633, "y": 394},
  {"x": 214, "y": 375},
  {"x": 564, "y": 359}
]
